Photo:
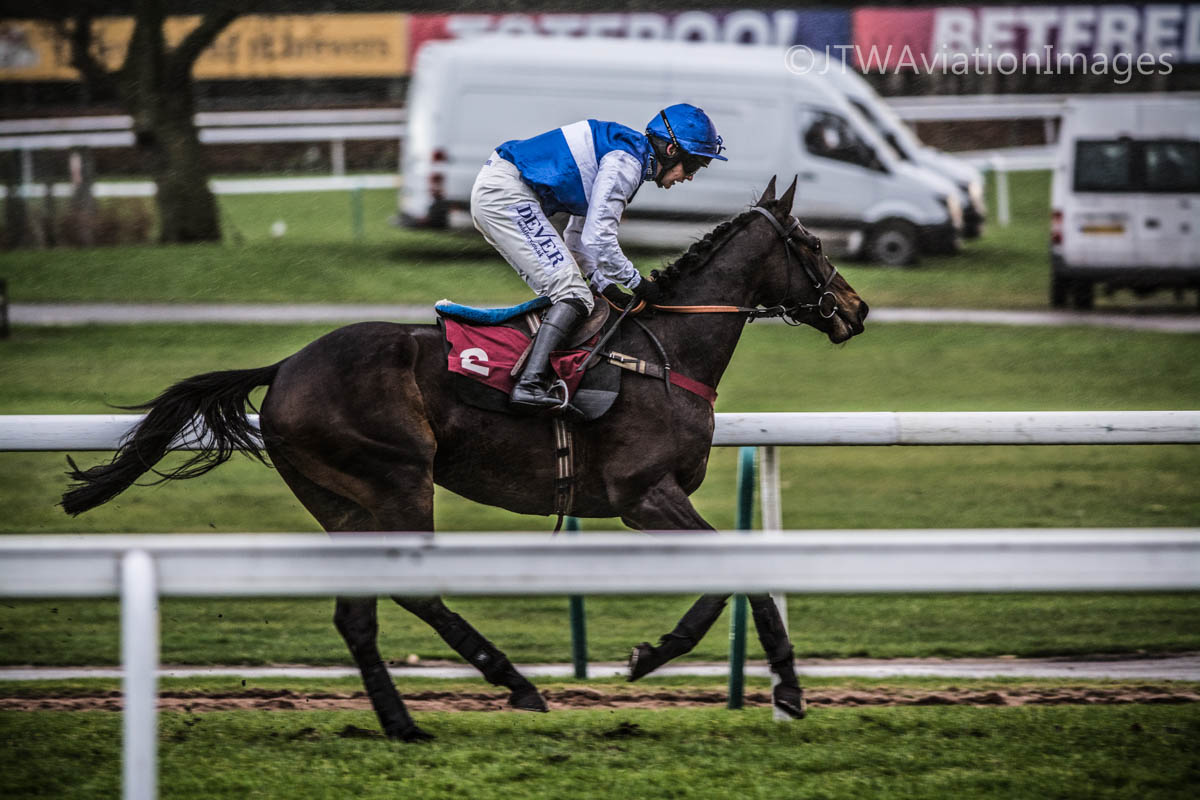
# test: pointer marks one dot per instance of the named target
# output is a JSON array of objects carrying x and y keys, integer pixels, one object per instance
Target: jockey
[{"x": 591, "y": 170}]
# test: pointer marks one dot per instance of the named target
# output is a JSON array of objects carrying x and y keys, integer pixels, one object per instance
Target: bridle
[{"x": 787, "y": 312}]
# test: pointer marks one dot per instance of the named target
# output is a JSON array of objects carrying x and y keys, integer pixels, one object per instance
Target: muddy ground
[{"x": 589, "y": 698}]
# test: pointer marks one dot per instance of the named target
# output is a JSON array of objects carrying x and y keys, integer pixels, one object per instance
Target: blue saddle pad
[{"x": 488, "y": 316}]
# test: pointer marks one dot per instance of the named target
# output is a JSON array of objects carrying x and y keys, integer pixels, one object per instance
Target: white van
[
  {"x": 905, "y": 144},
  {"x": 468, "y": 96},
  {"x": 1125, "y": 198}
]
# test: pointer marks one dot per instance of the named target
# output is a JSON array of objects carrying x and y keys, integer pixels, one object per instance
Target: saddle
[{"x": 486, "y": 350}]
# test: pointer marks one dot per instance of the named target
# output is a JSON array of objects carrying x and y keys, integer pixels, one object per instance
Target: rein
[{"x": 778, "y": 310}]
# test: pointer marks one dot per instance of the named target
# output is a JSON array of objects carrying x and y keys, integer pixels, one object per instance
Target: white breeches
[{"x": 507, "y": 212}]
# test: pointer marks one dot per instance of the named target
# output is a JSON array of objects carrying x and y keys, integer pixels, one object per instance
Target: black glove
[
  {"x": 614, "y": 295},
  {"x": 648, "y": 290}
]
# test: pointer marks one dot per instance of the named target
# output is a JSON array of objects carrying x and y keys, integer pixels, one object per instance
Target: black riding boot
[
  {"x": 532, "y": 392},
  {"x": 687, "y": 634}
]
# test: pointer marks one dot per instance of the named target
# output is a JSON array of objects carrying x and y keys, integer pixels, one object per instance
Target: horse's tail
[{"x": 208, "y": 409}]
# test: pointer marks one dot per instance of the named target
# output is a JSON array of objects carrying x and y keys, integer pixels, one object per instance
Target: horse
[{"x": 362, "y": 422}]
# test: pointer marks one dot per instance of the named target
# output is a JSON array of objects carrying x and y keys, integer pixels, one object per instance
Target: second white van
[
  {"x": 905, "y": 144},
  {"x": 1125, "y": 198}
]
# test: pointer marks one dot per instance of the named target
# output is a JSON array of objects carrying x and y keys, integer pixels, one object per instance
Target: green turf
[
  {"x": 535, "y": 629},
  {"x": 319, "y": 259},
  {"x": 1062, "y": 752}
]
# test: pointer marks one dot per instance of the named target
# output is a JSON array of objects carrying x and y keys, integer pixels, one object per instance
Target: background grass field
[{"x": 320, "y": 260}]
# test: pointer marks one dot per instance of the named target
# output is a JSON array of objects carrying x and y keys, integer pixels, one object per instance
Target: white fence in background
[{"x": 140, "y": 569}]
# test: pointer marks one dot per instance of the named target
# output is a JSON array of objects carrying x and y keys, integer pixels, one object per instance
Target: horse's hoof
[
  {"x": 412, "y": 733},
  {"x": 790, "y": 700},
  {"x": 528, "y": 700},
  {"x": 641, "y": 661}
]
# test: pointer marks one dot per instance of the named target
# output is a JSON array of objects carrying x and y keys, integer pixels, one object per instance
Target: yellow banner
[{"x": 253, "y": 46}]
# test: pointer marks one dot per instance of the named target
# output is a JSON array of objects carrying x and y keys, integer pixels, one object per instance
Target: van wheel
[
  {"x": 893, "y": 243},
  {"x": 1060, "y": 289},
  {"x": 1083, "y": 295}
]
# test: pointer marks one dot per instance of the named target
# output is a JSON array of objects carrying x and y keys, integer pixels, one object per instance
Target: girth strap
[{"x": 642, "y": 367}]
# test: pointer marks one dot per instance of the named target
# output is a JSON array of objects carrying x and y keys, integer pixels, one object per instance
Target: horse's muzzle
[{"x": 848, "y": 322}]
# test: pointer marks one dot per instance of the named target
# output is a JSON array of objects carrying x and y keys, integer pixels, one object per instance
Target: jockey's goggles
[{"x": 692, "y": 164}]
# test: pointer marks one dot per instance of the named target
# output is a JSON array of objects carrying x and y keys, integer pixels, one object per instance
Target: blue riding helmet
[{"x": 689, "y": 129}]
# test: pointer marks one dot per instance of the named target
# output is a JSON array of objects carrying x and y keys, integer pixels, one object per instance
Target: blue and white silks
[{"x": 591, "y": 170}]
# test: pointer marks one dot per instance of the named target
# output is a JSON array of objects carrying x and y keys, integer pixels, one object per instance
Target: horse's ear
[
  {"x": 785, "y": 200},
  {"x": 768, "y": 194}
]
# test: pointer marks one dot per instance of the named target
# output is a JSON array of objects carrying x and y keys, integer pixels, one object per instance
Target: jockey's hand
[
  {"x": 648, "y": 290},
  {"x": 614, "y": 295}
]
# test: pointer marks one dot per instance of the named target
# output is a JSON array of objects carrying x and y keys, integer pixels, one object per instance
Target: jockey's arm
[
  {"x": 618, "y": 176},
  {"x": 573, "y": 236}
]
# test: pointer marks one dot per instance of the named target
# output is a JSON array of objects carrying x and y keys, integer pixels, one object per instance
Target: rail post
[
  {"x": 1000, "y": 176},
  {"x": 579, "y": 649},
  {"x": 771, "y": 503},
  {"x": 139, "y": 655},
  {"x": 737, "y": 622},
  {"x": 356, "y": 213}
]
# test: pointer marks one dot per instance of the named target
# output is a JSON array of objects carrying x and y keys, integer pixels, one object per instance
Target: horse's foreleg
[
  {"x": 772, "y": 634},
  {"x": 355, "y": 620},
  {"x": 687, "y": 633},
  {"x": 667, "y": 507},
  {"x": 477, "y": 650}
]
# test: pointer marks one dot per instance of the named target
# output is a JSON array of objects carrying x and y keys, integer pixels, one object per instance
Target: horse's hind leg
[
  {"x": 355, "y": 617},
  {"x": 477, "y": 650},
  {"x": 356, "y": 622}
]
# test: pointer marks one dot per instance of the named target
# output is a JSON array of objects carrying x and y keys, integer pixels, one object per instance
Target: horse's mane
[{"x": 701, "y": 250}]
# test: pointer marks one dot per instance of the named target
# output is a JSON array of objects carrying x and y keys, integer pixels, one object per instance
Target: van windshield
[
  {"x": 886, "y": 134},
  {"x": 1130, "y": 165}
]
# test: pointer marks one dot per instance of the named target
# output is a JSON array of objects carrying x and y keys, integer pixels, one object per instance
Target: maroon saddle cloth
[
  {"x": 488, "y": 354},
  {"x": 485, "y": 349}
]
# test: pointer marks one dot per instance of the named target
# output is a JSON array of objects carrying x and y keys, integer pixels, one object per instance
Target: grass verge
[{"x": 1066, "y": 752}]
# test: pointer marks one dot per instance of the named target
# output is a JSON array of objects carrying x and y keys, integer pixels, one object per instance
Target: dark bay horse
[{"x": 364, "y": 421}]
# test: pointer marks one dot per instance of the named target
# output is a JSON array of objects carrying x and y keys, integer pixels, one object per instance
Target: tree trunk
[
  {"x": 155, "y": 85},
  {"x": 170, "y": 146}
]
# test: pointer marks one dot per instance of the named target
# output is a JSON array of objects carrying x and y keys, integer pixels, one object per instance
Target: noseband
[{"x": 787, "y": 312}]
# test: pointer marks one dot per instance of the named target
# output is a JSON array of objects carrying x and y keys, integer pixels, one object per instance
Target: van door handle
[
  {"x": 808, "y": 176},
  {"x": 1152, "y": 222}
]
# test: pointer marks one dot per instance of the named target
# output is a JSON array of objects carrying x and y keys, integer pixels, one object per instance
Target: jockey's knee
[{"x": 579, "y": 305}]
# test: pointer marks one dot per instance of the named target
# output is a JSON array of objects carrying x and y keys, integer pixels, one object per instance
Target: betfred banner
[
  {"x": 252, "y": 46},
  {"x": 816, "y": 29},
  {"x": 1028, "y": 37}
]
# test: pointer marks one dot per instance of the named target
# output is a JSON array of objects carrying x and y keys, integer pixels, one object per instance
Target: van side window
[
  {"x": 1172, "y": 166},
  {"x": 1132, "y": 165},
  {"x": 1104, "y": 166},
  {"x": 830, "y": 136}
]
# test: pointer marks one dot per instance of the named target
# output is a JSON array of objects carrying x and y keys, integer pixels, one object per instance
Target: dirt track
[{"x": 581, "y": 698}]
